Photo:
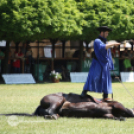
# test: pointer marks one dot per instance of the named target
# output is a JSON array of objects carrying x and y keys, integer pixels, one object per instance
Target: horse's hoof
[
  {"x": 54, "y": 117},
  {"x": 115, "y": 118},
  {"x": 47, "y": 116},
  {"x": 122, "y": 119}
]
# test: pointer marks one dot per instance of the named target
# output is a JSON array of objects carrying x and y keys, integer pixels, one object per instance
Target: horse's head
[{"x": 132, "y": 111}]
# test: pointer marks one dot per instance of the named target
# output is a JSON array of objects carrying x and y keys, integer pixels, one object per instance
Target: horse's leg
[
  {"x": 110, "y": 116},
  {"x": 51, "y": 104},
  {"x": 52, "y": 112}
]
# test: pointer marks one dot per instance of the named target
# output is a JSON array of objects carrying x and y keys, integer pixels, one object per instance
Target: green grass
[{"x": 25, "y": 98}]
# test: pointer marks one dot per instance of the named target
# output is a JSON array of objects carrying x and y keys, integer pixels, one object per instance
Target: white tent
[
  {"x": 112, "y": 41},
  {"x": 126, "y": 45},
  {"x": 91, "y": 44}
]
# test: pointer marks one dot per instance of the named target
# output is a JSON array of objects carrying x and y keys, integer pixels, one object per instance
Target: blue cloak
[{"x": 99, "y": 78}]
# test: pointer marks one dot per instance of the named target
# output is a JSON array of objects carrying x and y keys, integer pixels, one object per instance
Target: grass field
[{"x": 25, "y": 98}]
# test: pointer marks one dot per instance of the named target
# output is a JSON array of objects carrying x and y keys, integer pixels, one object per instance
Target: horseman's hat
[{"x": 104, "y": 28}]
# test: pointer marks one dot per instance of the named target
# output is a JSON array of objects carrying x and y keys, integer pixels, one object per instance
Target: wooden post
[
  {"x": 53, "y": 41},
  {"x": 23, "y": 64},
  {"x": 6, "y": 58},
  {"x": 81, "y": 55},
  {"x": 53, "y": 50},
  {"x": 52, "y": 64},
  {"x": 86, "y": 45},
  {"x": 131, "y": 45},
  {"x": 53, "y": 54},
  {"x": 63, "y": 48},
  {"x": 38, "y": 63}
]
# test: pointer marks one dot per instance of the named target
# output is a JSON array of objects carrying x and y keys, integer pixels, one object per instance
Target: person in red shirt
[
  {"x": 116, "y": 52},
  {"x": 16, "y": 63}
]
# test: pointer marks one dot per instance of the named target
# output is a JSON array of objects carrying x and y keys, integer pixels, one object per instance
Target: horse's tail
[
  {"x": 36, "y": 113},
  {"x": 18, "y": 114}
]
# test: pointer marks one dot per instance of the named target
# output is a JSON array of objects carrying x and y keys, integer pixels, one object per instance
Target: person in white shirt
[{"x": 89, "y": 53}]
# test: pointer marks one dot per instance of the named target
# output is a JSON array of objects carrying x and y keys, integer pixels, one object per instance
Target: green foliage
[
  {"x": 117, "y": 14},
  {"x": 37, "y": 19},
  {"x": 65, "y": 19}
]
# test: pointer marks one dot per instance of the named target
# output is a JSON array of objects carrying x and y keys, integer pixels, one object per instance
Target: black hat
[{"x": 104, "y": 28}]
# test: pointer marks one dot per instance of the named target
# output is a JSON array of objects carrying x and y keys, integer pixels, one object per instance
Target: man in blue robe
[{"x": 99, "y": 78}]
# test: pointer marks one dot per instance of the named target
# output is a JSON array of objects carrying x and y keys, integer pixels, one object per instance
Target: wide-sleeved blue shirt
[{"x": 99, "y": 78}]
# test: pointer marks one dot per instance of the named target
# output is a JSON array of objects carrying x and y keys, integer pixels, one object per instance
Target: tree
[
  {"x": 117, "y": 14},
  {"x": 38, "y": 19},
  {"x": 23, "y": 20}
]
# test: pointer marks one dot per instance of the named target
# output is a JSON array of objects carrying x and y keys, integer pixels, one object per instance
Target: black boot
[
  {"x": 105, "y": 95},
  {"x": 84, "y": 93}
]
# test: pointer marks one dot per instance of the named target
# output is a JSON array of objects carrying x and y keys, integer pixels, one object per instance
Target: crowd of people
[
  {"x": 2, "y": 55},
  {"x": 16, "y": 57},
  {"x": 24, "y": 54},
  {"x": 128, "y": 60},
  {"x": 126, "y": 57}
]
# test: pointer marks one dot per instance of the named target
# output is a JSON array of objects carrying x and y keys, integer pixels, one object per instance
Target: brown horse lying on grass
[{"x": 72, "y": 105}]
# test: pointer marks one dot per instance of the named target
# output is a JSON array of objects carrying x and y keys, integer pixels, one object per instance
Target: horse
[
  {"x": 73, "y": 105},
  {"x": 57, "y": 105}
]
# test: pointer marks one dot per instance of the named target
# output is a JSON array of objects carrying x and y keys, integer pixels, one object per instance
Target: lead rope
[
  {"x": 123, "y": 85},
  {"x": 120, "y": 82},
  {"x": 108, "y": 66},
  {"x": 112, "y": 96}
]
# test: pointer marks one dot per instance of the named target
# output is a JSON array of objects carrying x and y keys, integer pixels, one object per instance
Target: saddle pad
[{"x": 97, "y": 100}]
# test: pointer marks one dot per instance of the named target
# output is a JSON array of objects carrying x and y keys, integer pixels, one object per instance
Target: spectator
[
  {"x": 131, "y": 56},
  {"x": 29, "y": 59},
  {"x": 77, "y": 54},
  {"x": 2, "y": 55},
  {"x": 89, "y": 53},
  {"x": 16, "y": 63},
  {"x": 126, "y": 61},
  {"x": 112, "y": 52},
  {"x": 75, "y": 66},
  {"x": 24, "y": 49},
  {"x": 116, "y": 52},
  {"x": 9, "y": 61}
]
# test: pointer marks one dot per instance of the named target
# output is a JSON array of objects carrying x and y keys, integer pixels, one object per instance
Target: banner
[
  {"x": 127, "y": 76},
  {"x": 116, "y": 67},
  {"x": 18, "y": 78},
  {"x": 87, "y": 63}
]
